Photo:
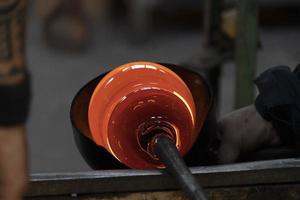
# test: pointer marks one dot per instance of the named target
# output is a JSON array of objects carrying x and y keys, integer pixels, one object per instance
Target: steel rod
[{"x": 168, "y": 154}]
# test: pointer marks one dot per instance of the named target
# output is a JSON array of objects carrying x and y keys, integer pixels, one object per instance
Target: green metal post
[{"x": 246, "y": 48}]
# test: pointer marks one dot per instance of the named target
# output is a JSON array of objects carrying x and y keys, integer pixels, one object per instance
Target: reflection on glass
[{"x": 134, "y": 103}]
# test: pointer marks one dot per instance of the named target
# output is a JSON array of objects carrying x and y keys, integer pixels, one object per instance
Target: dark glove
[{"x": 279, "y": 101}]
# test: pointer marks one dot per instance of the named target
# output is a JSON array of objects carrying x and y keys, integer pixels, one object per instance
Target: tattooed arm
[{"x": 14, "y": 100}]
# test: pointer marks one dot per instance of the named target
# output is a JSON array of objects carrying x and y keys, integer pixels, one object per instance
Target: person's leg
[{"x": 14, "y": 100}]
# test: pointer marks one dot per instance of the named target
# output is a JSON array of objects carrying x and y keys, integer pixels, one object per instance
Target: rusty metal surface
[
  {"x": 286, "y": 171},
  {"x": 261, "y": 192}
]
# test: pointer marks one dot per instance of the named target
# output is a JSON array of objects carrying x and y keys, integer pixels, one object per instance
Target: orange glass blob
[{"x": 132, "y": 104}]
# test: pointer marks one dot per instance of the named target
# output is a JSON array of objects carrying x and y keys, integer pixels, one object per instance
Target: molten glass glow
[{"x": 133, "y": 103}]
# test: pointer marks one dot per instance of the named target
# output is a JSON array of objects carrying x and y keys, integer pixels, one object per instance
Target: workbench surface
[{"x": 274, "y": 179}]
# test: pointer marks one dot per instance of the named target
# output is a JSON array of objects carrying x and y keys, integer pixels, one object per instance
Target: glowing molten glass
[{"x": 134, "y": 103}]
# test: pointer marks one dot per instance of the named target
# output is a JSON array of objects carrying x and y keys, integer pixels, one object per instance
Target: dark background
[{"x": 173, "y": 34}]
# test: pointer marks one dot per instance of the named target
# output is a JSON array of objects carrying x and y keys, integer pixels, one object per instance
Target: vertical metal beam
[
  {"x": 212, "y": 37},
  {"x": 212, "y": 22},
  {"x": 246, "y": 48}
]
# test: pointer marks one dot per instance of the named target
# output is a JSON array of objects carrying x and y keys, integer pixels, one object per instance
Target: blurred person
[
  {"x": 244, "y": 131},
  {"x": 65, "y": 23},
  {"x": 272, "y": 121},
  {"x": 14, "y": 100},
  {"x": 65, "y": 26}
]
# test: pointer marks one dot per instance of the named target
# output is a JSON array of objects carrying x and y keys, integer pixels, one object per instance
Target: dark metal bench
[{"x": 274, "y": 179}]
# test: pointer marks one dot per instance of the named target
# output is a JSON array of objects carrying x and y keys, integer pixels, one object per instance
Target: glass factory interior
[{"x": 234, "y": 45}]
